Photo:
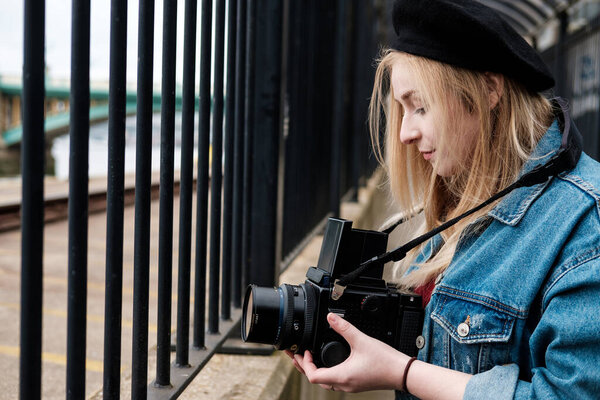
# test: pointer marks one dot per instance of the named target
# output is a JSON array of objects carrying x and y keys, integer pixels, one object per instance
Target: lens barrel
[
  {"x": 282, "y": 316},
  {"x": 263, "y": 308}
]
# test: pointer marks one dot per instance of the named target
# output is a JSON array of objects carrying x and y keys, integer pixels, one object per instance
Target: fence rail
[{"x": 285, "y": 137}]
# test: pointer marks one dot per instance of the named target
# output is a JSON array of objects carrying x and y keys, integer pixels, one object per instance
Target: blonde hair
[{"x": 506, "y": 137}]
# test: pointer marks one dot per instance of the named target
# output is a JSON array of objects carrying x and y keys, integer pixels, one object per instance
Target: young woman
[{"x": 512, "y": 290}]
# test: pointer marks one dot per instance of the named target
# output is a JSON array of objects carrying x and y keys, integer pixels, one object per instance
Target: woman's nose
[{"x": 409, "y": 134}]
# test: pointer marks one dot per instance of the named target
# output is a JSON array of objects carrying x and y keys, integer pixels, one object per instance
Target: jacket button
[
  {"x": 420, "y": 342},
  {"x": 463, "y": 329}
]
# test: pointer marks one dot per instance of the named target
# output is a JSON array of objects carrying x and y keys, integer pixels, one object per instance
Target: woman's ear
[{"x": 495, "y": 84}]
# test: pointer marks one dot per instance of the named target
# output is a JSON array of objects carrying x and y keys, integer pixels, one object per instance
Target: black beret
[{"x": 467, "y": 34}]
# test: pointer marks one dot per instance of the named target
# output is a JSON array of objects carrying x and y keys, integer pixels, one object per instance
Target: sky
[{"x": 58, "y": 39}]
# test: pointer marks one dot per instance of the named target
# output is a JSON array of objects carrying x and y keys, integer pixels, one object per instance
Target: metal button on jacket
[
  {"x": 420, "y": 342},
  {"x": 463, "y": 329}
]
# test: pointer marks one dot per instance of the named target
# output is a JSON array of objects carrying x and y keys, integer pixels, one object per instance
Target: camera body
[{"x": 294, "y": 317}]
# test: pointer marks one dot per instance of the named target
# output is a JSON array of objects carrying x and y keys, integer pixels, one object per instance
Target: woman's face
[{"x": 418, "y": 125}]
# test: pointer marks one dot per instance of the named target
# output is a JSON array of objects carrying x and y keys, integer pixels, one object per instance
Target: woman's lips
[{"x": 427, "y": 154}]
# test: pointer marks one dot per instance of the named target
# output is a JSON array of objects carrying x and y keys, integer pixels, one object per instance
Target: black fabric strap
[
  {"x": 400, "y": 252},
  {"x": 402, "y": 220}
]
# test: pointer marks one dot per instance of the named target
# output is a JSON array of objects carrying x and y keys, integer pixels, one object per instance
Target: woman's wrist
[
  {"x": 399, "y": 367},
  {"x": 404, "y": 384},
  {"x": 428, "y": 381}
]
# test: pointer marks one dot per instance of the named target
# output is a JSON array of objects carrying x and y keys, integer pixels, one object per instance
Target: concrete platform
[{"x": 55, "y": 301}]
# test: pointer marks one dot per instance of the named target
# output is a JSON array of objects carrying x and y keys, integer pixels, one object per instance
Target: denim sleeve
[{"x": 565, "y": 345}]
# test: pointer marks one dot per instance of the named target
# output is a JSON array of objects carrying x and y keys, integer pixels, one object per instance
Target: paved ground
[{"x": 55, "y": 300}]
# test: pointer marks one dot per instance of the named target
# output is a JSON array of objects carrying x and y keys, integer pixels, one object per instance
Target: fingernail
[{"x": 333, "y": 318}]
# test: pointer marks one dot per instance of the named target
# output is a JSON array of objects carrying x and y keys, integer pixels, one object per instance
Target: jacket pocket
[{"x": 475, "y": 336}]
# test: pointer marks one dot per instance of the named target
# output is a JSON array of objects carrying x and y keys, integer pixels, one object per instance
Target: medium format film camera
[{"x": 294, "y": 317}]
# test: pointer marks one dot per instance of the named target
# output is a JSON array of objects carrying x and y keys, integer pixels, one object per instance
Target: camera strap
[{"x": 564, "y": 159}]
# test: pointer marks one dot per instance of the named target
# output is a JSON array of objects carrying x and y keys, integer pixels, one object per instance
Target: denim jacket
[{"x": 519, "y": 305}]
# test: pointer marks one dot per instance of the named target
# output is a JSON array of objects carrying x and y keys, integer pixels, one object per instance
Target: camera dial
[{"x": 334, "y": 353}]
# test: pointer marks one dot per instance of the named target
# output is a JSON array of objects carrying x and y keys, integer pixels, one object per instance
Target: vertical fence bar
[
  {"x": 299, "y": 76},
  {"x": 307, "y": 184},
  {"x": 238, "y": 156},
  {"x": 115, "y": 198},
  {"x": 143, "y": 180},
  {"x": 202, "y": 175},
  {"x": 248, "y": 138},
  {"x": 381, "y": 31},
  {"x": 283, "y": 129},
  {"x": 78, "y": 198},
  {"x": 303, "y": 112},
  {"x": 366, "y": 24},
  {"x": 215, "y": 170},
  {"x": 186, "y": 184},
  {"x": 319, "y": 42},
  {"x": 358, "y": 103},
  {"x": 263, "y": 229},
  {"x": 32, "y": 214},
  {"x": 165, "y": 234},
  {"x": 338, "y": 111},
  {"x": 560, "y": 54},
  {"x": 229, "y": 162}
]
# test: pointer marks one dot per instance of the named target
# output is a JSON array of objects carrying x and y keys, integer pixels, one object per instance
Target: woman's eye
[{"x": 420, "y": 110}]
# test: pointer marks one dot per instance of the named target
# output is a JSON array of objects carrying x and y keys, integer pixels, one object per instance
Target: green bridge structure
[{"x": 57, "y": 117}]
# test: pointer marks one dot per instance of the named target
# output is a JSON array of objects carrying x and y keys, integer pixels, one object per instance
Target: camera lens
[
  {"x": 282, "y": 316},
  {"x": 247, "y": 321},
  {"x": 262, "y": 308}
]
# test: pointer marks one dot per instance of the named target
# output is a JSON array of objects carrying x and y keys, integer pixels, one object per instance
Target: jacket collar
[{"x": 513, "y": 207}]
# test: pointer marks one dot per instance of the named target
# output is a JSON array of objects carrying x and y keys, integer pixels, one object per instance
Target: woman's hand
[{"x": 372, "y": 364}]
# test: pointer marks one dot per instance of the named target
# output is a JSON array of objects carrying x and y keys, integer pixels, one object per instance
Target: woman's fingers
[
  {"x": 307, "y": 364},
  {"x": 289, "y": 354},
  {"x": 294, "y": 361},
  {"x": 360, "y": 371},
  {"x": 344, "y": 328},
  {"x": 323, "y": 376},
  {"x": 298, "y": 367}
]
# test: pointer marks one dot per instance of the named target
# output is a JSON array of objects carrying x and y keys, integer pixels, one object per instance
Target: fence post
[
  {"x": 216, "y": 173},
  {"x": 165, "y": 230},
  {"x": 186, "y": 184},
  {"x": 115, "y": 199},
  {"x": 561, "y": 62},
  {"x": 248, "y": 139},
  {"x": 78, "y": 199},
  {"x": 266, "y": 143},
  {"x": 238, "y": 154},
  {"x": 143, "y": 179},
  {"x": 32, "y": 216},
  {"x": 339, "y": 93},
  {"x": 202, "y": 176},
  {"x": 229, "y": 162}
]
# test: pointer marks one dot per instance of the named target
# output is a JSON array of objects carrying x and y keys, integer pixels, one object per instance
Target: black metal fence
[
  {"x": 288, "y": 139},
  {"x": 575, "y": 60},
  {"x": 318, "y": 103}
]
